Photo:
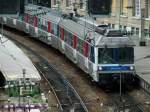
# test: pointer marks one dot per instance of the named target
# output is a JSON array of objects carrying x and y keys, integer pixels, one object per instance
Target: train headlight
[
  {"x": 100, "y": 68},
  {"x": 131, "y": 67}
]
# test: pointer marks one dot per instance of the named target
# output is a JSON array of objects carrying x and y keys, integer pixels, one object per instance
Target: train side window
[
  {"x": 31, "y": 20},
  {"x": 52, "y": 31},
  {"x": 70, "y": 39},
  {"x": 21, "y": 18},
  {"x": 92, "y": 54},
  {"x": 44, "y": 24},
  {"x": 58, "y": 32},
  {"x": 80, "y": 46},
  {"x": 55, "y": 29},
  {"x": 40, "y": 23},
  {"x": 61, "y": 33},
  {"x": 65, "y": 35}
]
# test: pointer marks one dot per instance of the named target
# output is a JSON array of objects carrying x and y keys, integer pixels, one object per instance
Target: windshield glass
[
  {"x": 114, "y": 33},
  {"x": 116, "y": 55}
]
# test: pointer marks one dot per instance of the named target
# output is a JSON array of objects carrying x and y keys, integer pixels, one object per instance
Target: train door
[
  {"x": 86, "y": 50},
  {"x": 49, "y": 30},
  {"x": 27, "y": 23},
  {"x": 75, "y": 42},
  {"x": 82, "y": 54},
  {"x": 36, "y": 25},
  {"x": 62, "y": 37},
  {"x": 92, "y": 62}
]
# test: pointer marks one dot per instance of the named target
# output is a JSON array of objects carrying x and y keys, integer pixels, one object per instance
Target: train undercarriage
[{"x": 112, "y": 79}]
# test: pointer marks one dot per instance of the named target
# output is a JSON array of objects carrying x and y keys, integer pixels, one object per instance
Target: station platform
[
  {"x": 13, "y": 61},
  {"x": 142, "y": 64}
]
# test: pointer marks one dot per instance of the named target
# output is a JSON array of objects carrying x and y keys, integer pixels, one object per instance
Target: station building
[{"x": 129, "y": 15}]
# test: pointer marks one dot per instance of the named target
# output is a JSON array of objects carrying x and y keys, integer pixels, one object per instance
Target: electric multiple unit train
[{"x": 102, "y": 53}]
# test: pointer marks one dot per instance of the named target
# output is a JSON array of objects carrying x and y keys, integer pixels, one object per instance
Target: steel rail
[
  {"x": 51, "y": 87},
  {"x": 62, "y": 77}
]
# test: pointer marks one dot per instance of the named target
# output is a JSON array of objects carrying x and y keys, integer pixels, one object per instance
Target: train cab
[
  {"x": 115, "y": 56},
  {"x": 116, "y": 59}
]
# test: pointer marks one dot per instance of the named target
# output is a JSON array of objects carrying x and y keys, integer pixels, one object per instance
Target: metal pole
[
  {"x": 120, "y": 88},
  {"x": 123, "y": 105},
  {"x": 24, "y": 81},
  {"x": 142, "y": 39},
  {"x": 119, "y": 14},
  {"x": 2, "y": 30}
]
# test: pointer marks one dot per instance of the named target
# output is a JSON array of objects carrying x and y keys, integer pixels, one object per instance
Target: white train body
[{"x": 98, "y": 55}]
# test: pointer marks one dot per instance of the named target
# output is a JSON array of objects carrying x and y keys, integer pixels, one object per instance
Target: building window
[
  {"x": 146, "y": 32},
  {"x": 120, "y": 27},
  {"x": 102, "y": 7},
  {"x": 55, "y": 2},
  {"x": 132, "y": 30},
  {"x": 138, "y": 8},
  {"x": 113, "y": 10},
  {"x": 148, "y": 8},
  {"x": 125, "y": 28},
  {"x": 137, "y": 31},
  {"x": 113, "y": 25},
  {"x": 124, "y": 4},
  {"x": 81, "y": 4},
  {"x": 67, "y": 3}
]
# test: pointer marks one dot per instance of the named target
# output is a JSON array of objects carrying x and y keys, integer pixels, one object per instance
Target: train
[{"x": 104, "y": 54}]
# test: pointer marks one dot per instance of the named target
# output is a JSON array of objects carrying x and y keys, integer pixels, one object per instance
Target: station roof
[{"x": 13, "y": 61}]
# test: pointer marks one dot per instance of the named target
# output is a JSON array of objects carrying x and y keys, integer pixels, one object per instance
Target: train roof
[
  {"x": 81, "y": 30},
  {"x": 88, "y": 20},
  {"x": 13, "y": 61},
  {"x": 44, "y": 13}
]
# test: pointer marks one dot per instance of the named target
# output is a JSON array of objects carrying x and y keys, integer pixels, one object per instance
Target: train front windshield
[{"x": 123, "y": 55}]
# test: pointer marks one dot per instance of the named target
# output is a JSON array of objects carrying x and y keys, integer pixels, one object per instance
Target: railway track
[
  {"x": 64, "y": 92},
  {"x": 126, "y": 103},
  {"x": 96, "y": 99}
]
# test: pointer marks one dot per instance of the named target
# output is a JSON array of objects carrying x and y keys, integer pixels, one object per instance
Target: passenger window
[
  {"x": 92, "y": 54},
  {"x": 52, "y": 28},
  {"x": 80, "y": 46}
]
